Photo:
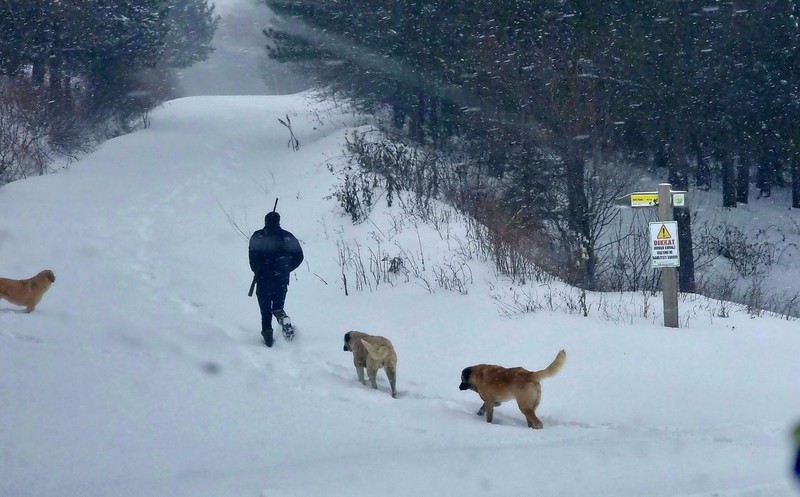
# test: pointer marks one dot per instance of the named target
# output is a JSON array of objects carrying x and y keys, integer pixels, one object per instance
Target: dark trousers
[{"x": 271, "y": 296}]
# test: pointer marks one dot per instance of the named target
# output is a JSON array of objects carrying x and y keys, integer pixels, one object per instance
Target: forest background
[{"x": 530, "y": 117}]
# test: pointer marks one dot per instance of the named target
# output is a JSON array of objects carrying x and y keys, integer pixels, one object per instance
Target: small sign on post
[
  {"x": 644, "y": 199},
  {"x": 650, "y": 199}
]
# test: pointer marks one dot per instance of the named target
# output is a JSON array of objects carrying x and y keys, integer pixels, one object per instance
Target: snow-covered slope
[{"x": 142, "y": 371}]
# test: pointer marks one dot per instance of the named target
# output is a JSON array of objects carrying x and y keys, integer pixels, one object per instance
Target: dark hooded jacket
[{"x": 274, "y": 252}]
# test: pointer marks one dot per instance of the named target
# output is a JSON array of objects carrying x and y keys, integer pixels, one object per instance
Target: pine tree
[{"x": 191, "y": 27}]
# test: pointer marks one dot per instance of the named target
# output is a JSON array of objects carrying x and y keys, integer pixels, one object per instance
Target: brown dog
[
  {"x": 372, "y": 352},
  {"x": 496, "y": 384},
  {"x": 26, "y": 292}
]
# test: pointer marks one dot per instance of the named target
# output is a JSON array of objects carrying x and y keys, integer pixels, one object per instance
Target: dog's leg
[
  {"x": 488, "y": 408},
  {"x": 32, "y": 300},
  {"x": 530, "y": 415},
  {"x": 359, "y": 372},
  {"x": 392, "y": 375},
  {"x": 372, "y": 373},
  {"x": 482, "y": 410}
]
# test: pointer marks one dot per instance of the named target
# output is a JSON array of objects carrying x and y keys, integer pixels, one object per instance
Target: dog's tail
[
  {"x": 554, "y": 366},
  {"x": 379, "y": 353}
]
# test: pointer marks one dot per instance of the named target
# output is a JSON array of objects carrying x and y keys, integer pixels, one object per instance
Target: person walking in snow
[{"x": 274, "y": 253}]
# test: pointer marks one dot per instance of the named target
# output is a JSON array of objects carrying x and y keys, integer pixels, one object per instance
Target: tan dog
[
  {"x": 26, "y": 292},
  {"x": 372, "y": 352},
  {"x": 496, "y": 384}
]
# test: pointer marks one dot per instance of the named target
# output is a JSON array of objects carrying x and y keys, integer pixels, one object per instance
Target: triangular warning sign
[{"x": 663, "y": 233}]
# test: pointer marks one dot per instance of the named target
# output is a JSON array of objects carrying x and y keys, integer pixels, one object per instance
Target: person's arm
[
  {"x": 254, "y": 256},
  {"x": 295, "y": 252}
]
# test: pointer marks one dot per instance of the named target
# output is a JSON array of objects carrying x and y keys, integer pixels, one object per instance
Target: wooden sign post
[
  {"x": 669, "y": 273},
  {"x": 664, "y": 246}
]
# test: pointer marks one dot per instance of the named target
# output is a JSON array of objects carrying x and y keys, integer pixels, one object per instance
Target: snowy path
[{"x": 143, "y": 371}]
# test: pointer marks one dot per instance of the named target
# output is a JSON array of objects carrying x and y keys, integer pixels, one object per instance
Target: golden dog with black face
[
  {"x": 372, "y": 352},
  {"x": 26, "y": 292},
  {"x": 496, "y": 384}
]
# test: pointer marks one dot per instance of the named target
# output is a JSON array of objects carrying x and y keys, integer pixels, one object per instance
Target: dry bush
[
  {"x": 512, "y": 242},
  {"x": 24, "y": 149},
  {"x": 365, "y": 268},
  {"x": 376, "y": 168},
  {"x": 749, "y": 254},
  {"x": 625, "y": 264}
]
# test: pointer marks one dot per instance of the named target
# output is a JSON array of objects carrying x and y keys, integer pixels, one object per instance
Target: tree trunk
[
  {"x": 725, "y": 158},
  {"x": 418, "y": 118},
  {"x": 766, "y": 172},
  {"x": 433, "y": 119},
  {"x": 743, "y": 179},
  {"x": 703, "y": 174},
  {"x": 575, "y": 164},
  {"x": 795, "y": 165},
  {"x": 578, "y": 207},
  {"x": 56, "y": 84},
  {"x": 68, "y": 97},
  {"x": 37, "y": 72},
  {"x": 398, "y": 115},
  {"x": 686, "y": 281},
  {"x": 679, "y": 177}
]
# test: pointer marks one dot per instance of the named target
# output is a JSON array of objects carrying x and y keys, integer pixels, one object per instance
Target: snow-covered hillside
[{"x": 142, "y": 371}]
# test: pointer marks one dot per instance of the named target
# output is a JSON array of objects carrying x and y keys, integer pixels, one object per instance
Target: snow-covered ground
[{"x": 142, "y": 371}]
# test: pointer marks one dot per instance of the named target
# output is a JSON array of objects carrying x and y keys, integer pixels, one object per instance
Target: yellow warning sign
[
  {"x": 663, "y": 233},
  {"x": 664, "y": 251}
]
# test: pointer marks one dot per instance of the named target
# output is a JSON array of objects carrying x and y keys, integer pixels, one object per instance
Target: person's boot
[
  {"x": 267, "y": 334},
  {"x": 286, "y": 324}
]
